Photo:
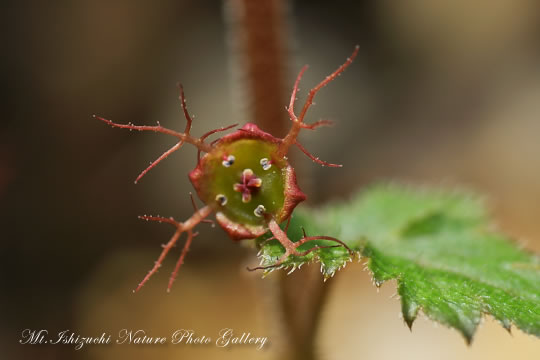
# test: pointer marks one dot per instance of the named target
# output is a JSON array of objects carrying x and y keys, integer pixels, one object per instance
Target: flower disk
[{"x": 246, "y": 184}]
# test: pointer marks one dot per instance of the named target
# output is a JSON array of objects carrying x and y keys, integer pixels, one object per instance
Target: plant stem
[
  {"x": 257, "y": 35},
  {"x": 259, "y": 41}
]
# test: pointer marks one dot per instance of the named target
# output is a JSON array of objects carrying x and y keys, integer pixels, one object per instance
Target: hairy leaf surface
[{"x": 440, "y": 246}]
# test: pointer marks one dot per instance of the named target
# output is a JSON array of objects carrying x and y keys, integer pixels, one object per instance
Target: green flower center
[{"x": 242, "y": 180}]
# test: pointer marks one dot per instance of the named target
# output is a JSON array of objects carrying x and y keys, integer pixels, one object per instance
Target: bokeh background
[{"x": 442, "y": 93}]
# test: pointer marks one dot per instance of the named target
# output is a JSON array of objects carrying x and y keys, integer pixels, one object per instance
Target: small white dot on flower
[
  {"x": 265, "y": 164},
  {"x": 259, "y": 211},
  {"x": 228, "y": 161},
  {"x": 221, "y": 199}
]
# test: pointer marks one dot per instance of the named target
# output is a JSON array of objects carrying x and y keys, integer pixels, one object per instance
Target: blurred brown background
[{"x": 444, "y": 92}]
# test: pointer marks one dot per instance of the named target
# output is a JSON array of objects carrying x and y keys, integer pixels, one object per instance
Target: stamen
[
  {"x": 221, "y": 199},
  {"x": 259, "y": 211},
  {"x": 228, "y": 161},
  {"x": 266, "y": 164}
]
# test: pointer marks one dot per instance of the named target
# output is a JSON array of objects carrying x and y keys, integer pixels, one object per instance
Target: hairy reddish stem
[
  {"x": 184, "y": 137},
  {"x": 298, "y": 121},
  {"x": 182, "y": 98},
  {"x": 180, "y": 261},
  {"x": 291, "y": 247},
  {"x": 205, "y": 135},
  {"x": 197, "y": 142},
  {"x": 316, "y": 159},
  {"x": 316, "y": 124},
  {"x": 163, "y": 156},
  {"x": 186, "y": 226},
  {"x": 208, "y": 221}
]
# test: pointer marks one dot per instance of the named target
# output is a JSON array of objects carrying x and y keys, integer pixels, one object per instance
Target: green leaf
[{"x": 440, "y": 246}]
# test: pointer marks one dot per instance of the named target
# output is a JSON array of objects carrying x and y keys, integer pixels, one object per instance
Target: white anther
[
  {"x": 228, "y": 161},
  {"x": 259, "y": 211},
  {"x": 265, "y": 164},
  {"x": 221, "y": 199}
]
